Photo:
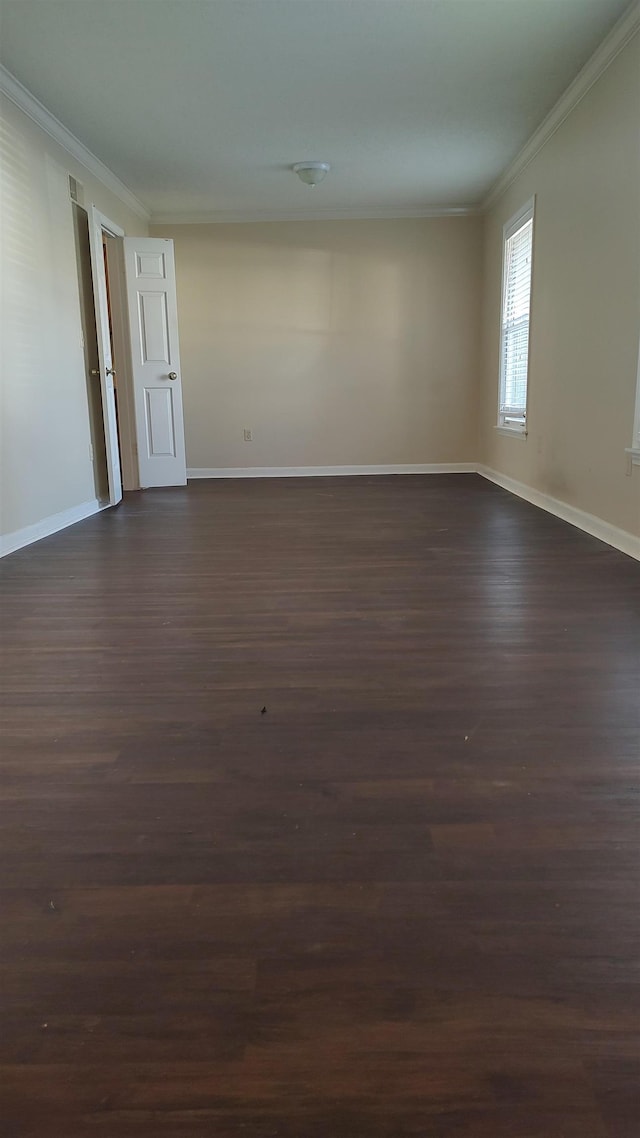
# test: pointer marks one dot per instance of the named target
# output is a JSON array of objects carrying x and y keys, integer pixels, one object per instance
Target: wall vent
[{"x": 76, "y": 190}]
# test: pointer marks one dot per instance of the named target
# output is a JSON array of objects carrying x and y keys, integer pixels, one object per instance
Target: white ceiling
[{"x": 203, "y": 105}]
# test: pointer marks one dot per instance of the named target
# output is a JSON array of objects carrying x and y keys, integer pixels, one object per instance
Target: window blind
[{"x": 515, "y": 322}]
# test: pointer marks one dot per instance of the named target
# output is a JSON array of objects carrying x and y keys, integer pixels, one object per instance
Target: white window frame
[
  {"x": 634, "y": 449},
  {"x": 507, "y": 424}
]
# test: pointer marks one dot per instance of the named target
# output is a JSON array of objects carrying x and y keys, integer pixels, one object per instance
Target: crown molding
[
  {"x": 611, "y": 46},
  {"x": 224, "y": 217},
  {"x": 14, "y": 90},
  {"x": 605, "y": 54}
]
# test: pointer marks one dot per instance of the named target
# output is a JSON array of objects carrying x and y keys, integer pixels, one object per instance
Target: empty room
[{"x": 320, "y": 569}]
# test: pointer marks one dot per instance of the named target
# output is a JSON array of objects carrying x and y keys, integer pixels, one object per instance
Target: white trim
[
  {"x": 121, "y": 344},
  {"x": 595, "y": 67},
  {"x": 225, "y": 217},
  {"x": 329, "y": 471},
  {"x": 615, "y": 42},
  {"x": 611, "y": 535},
  {"x": 110, "y": 227},
  {"x": 619, "y": 538},
  {"x": 634, "y": 449},
  {"x": 10, "y": 542},
  {"x": 32, "y": 107},
  {"x": 511, "y": 432},
  {"x": 526, "y": 213},
  {"x": 105, "y": 354}
]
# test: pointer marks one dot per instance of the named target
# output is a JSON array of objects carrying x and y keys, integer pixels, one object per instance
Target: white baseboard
[
  {"x": 10, "y": 542},
  {"x": 329, "y": 471},
  {"x": 597, "y": 527}
]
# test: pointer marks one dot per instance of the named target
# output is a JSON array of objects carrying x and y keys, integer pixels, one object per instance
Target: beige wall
[
  {"x": 336, "y": 343},
  {"x": 45, "y": 460},
  {"x": 585, "y": 305}
]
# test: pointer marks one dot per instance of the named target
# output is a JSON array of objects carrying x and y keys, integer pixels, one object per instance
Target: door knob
[
  {"x": 111, "y": 371},
  {"x": 173, "y": 375},
  {"x": 94, "y": 371}
]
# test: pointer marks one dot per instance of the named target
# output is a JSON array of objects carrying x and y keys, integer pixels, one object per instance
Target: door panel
[
  {"x": 160, "y": 422},
  {"x": 154, "y": 328},
  {"x": 153, "y": 315}
]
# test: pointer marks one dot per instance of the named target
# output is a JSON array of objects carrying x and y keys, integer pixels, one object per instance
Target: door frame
[{"x": 100, "y": 224}]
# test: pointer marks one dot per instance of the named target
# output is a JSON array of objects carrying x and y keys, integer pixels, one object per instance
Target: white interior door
[
  {"x": 157, "y": 388},
  {"x": 105, "y": 360}
]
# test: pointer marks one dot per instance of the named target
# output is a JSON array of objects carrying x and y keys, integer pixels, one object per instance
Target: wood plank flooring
[{"x": 402, "y": 902}]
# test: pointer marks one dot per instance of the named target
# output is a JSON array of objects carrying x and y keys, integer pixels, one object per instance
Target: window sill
[
  {"x": 634, "y": 454},
  {"x": 512, "y": 432}
]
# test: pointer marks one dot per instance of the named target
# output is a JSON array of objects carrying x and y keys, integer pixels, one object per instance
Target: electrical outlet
[{"x": 248, "y": 435}]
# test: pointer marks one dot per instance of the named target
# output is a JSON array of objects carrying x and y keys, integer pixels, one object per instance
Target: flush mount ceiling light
[{"x": 311, "y": 172}]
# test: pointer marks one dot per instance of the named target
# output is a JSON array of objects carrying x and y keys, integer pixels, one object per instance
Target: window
[{"x": 517, "y": 252}]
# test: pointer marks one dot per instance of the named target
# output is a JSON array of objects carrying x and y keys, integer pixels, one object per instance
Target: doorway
[
  {"x": 105, "y": 336},
  {"x": 90, "y": 352},
  {"x": 134, "y": 386},
  {"x": 117, "y": 342}
]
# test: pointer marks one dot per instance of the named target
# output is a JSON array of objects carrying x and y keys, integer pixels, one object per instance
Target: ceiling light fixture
[{"x": 311, "y": 172}]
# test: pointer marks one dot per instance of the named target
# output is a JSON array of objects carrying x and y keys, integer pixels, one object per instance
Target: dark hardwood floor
[{"x": 402, "y": 902}]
